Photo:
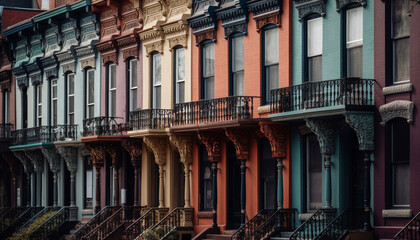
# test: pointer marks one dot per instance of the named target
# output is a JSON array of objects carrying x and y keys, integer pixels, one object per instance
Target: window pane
[
  {"x": 71, "y": 104},
  {"x": 208, "y": 64},
  {"x": 133, "y": 71},
  {"x": 54, "y": 88},
  {"x": 402, "y": 59},
  {"x": 355, "y": 62},
  {"x": 54, "y": 110},
  {"x": 112, "y": 82},
  {"x": 237, "y": 54},
  {"x": 180, "y": 89},
  {"x": 400, "y": 18},
  {"x": 71, "y": 84},
  {"x": 314, "y": 158},
  {"x": 400, "y": 141},
  {"x": 355, "y": 25},
  {"x": 39, "y": 94},
  {"x": 156, "y": 69},
  {"x": 113, "y": 103},
  {"x": 272, "y": 80},
  {"x": 402, "y": 184},
  {"x": 133, "y": 102},
  {"x": 271, "y": 46},
  {"x": 238, "y": 83},
  {"x": 91, "y": 87},
  {"x": 314, "y": 37},
  {"x": 209, "y": 88},
  {"x": 91, "y": 111},
  {"x": 315, "y": 69},
  {"x": 156, "y": 97},
  {"x": 180, "y": 64}
]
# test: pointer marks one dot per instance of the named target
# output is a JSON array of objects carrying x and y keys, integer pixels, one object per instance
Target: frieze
[
  {"x": 208, "y": 35},
  {"x": 181, "y": 40},
  {"x": 307, "y": 7},
  {"x": 326, "y": 132},
  {"x": 204, "y": 22},
  {"x": 151, "y": 34},
  {"x": 110, "y": 56},
  {"x": 175, "y": 28},
  {"x": 265, "y": 20},
  {"x": 344, "y": 3},
  {"x": 397, "y": 109},
  {"x": 363, "y": 125},
  {"x": 264, "y": 7},
  {"x": 51, "y": 72},
  {"x": 86, "y": 50},
  {"x": 106, "y": 46},
  {"x": 128, "y": 40},
  {"x": 154, "y": 46},
  {"x": 22, "y": 81}
]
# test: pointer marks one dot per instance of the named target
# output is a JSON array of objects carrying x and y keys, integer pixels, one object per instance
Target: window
[
  {"x": 237, "y": 66},
  {"x": 271, "y": 62},
  {"x": 38, "y": 96},
  {"x": 24, "y": 110},
  {"x": 205, "y": 181},
  {"x": 179, "y": 75},
  {"x": 6, "y": 106},
  {"x": 400, "y": 162},
  {"x": 90, "y": 93},
  {"x": 70, "y": 99},
  {"x": 112, "y": 88},
  {"x": 132, "y": 73},
  {"x": 314, "y": 174},
  {"x": 54, "y": 102},
  {"x": 156, "y": 80},
  {"x": 314, "y": 49},
  {"x": 88, "y": 201},
  {"x": 400, "y": 34},
  {"x": 354, "y": 42},
  {"x": 207, "y": 91}
]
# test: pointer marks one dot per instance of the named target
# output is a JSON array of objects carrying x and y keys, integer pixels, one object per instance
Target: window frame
[
  {"x": 54, "y": 108},
  {"x": 110, "y": 99},
  {"x": 38, "y": 105},
  {"x": 264, "y": 67},
  {"x": 232, "y": 62},
  {"x": 350, "y": 45},
  {"x": 203, "y": 78},
  {"x": 154, "y": 86},
  {"x": 6, "y": 106},
  {"x": 203, "y": 182},
  {"x": 69, "y": 114},
  {"x": 177, "y": 81},
  {"x": 130, "y": 87},
  {"x": 305, "y": 48},
  {"x": 87, "y": 91}
]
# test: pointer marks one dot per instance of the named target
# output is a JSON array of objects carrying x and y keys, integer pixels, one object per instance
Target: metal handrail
[
  {"x": 6, "y": 132},
  {"x": 142, "y": 119},
  {"x": 44, "y": 134},
  {"x": 9, "y": 216},
  {"x": 411, "y": 231},
  {"x": 51, "y": 224},
  {"x": 147, "y": 220},
  {"x": 281, "y": 220},
  {"x": 248, "y": 229},
  {"x": 22, "y": 219},
  {"x": 170, "y": 222},
  {"x": 348, "y": 220},
  {"x": 315, "y": 224}
]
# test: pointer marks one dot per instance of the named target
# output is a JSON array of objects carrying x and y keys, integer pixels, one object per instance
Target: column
[
  {"x": 243, "y": 191},
  {"x": 38, "y": 186},
  {"x": 366, "y": 201},
  {"x": 72, "y": 189},
  {"x": 214, "y": 193},
  {"x": 279, "y": 183},
  {"x": 55, "y": 190},
  {"x": 327, "y": 165},
  {"x": 116, "y": 186},
  {"x": 187, "y": 185},
  {"x": 161, "y": 184},
  {"x": 136, "y": 186},
  {"x": 98, "y": 189}
]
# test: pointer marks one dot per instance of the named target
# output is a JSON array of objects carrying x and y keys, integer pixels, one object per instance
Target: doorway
[
  {"x": 268, "y": 176},
  {"x": 233, "y": 188}
]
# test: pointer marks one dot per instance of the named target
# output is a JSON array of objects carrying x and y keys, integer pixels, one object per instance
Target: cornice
[
  {"x": 344, "y": 3},
  {"x": 307, "y": 7},
  {"x": 154, "y": 12},
  {"x": 234, "y": 19},
  {"x": 152, "y": 34},
  {"x": 110, "y": 23},
  {"x": 109, "y": 51},
  {"x": 129, "y": 46},
  {"x": 207, "y": 35},
  {"x": 130, "y": 17},
  {"x": 266, "y": 19},
  {"x": 175, "y": 28},
  {"x": 90, "y": 28},
  {"x": 263, "y": 7},
  {"x": 204, "y": 22}
]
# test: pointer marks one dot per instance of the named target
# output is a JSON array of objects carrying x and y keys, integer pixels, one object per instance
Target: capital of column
[
  {"x": 240, "y": 138},
  {"x": 53, "y": 158},
  {"x": 134, "y": 148},
  {"x": 325, "y": 131},
  {"x": 37, "y": 159},
  {"x": 114, "y": 150},
  {"x": 158, "y": 146},
  {"x": 277, "y": 135},
  {"x": 184, "y": 145},
  {"x": 96, "y": 151},
  {"x": 212, "y": 141},
  {"x": 69, "y": 154}
]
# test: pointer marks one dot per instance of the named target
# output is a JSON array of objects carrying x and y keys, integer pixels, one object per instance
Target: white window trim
[
  {"x": 7, "y": 106},
  {"x": 38, "y": 105},
  {"x": 159, "y": 84},
  {"x": 69, "y": 96},
  {"x": 110, "y": 99},
  {"x": 88, "y": 104},
  {"x": 54, "y": 99},
  {"x": 177, "y": 80},
  {"x": 130, "y": 69}
]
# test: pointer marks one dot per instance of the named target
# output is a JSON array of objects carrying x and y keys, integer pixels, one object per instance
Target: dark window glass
[
  {"x": 401, "y": 40},
  {"x": 205, "y": 181}
]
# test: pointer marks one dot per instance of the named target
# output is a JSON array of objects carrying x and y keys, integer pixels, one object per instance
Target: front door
[
  {"x": 268, "y": 176},
  {"x": 233, "y": 188}
]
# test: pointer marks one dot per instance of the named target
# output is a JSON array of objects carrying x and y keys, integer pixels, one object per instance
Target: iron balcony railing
[
  {"x": 45, "y": 134},
  {"x": 143, "y": 119},
  {"x": 53, "y": 223},
  {"x": 145, "y": 221},
  {"x": 411, "y": 231},
  {"x": 214, "y": 110},
  {"x": 6, "y": 131},
  {"x": 315, "y": 224},
  {"x": 103, "y": 126},
  {"x": 346, "y": 91}
]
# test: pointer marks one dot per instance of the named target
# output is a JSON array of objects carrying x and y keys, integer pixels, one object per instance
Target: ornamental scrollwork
[
  {"x": 70, "y": 157},
  {"x": 397, "y": 109},
  {"x": 184, "y": 146},
  {"x": 344, "y": 3},
  {"x": 212, "y": 141},
  {"x": 363, "y": 125},
  {"x": 307, "y": 7},
  {"x": 158, "y": 146},
  {"x": 325, "y": 132},
  {"x": 240, "y": 138},
  {"x": 53, "y": 158},
  {"x": 277, "y": 134}
]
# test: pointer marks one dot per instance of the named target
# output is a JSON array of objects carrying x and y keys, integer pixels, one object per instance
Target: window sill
[
  {"x": 397, "y": 213},
  {"x": 305, "y": 216},
  {"x": 264, "y": 109},
  {"x": 397, "y": 88},
  {"x": 208, "y": 215}
]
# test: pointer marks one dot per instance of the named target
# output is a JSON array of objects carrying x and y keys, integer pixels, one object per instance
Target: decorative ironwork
[
  {"x": 315, "y": 224},
  {"x": 214, "y": 110},
  {"x": 150, "y": 119},
  {"x": 94, "y": 222},
  {"x": 119, "y": 218},
  {"x": 248, "y": 229},
  {"x": 281, "y": 220},
  {"x": 52, "y": 223},
  {"x": 103, "y": 126},
  {"x": 349, "y": 219},
  {"x": 147, "y": 220},
  {"x": 17, "y": 223},
  {"x": 347, "y": 91},
  {"x": 44, "y": 134},
  {"x": 411, "y": 231},
  {"x": 6, "y": 131},
  {"x": 170, "y": 222},
  {"x": 10, "y": 215}
]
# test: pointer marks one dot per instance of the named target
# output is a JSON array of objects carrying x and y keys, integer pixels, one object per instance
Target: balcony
[
  {"x": 44, "y": 134},
  {"x": 155, "y": 119},
  {"x": 6, "y": 131},
  {"x": 213, "y": 113},
  {"x": 103, "y": 126},
  {"x": 323, "y": 98}
]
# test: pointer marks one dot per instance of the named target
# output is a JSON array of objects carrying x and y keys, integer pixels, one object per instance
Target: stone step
[{"x": 386, "y": 232}]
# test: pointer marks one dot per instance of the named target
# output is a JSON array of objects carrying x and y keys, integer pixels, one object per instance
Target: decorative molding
[
  {"x": 397, "y": 213},
  {"x": 111, "y": 56},
  {"x": 96, "y": 151},
  {"x": 53, "y": 158},
  {"x": 264, "y": 20},
  {"x": 234, "y": 19},
  {"x": 307, "y": 7},
  {"x": 68, "y": 67},
  {"x": 22, "y": 81},
  {"x": 326, "y": 132},
  {"x": 70, "y": 157},
  {"x": 130, "y": 51},
  {"x": 212, "y": 141},
  {"x": 277, "y": 134},
  {"x": 344, "y": 3},
  {"x": 184, "y": 146},
  {"x": 6, "y": 76},
  {"x": 37, "y": 159},
  {"x": 240, "y": 138},
  {"x": 207, "y": 35},
  {"x": 36, "y": 78},
  {"x": 26, "y": 162},
  {"x": 181, "y": 40},
  {"x": 363, "y": 125},
  {"x": 114, "y": 150},
  {"x": 397, "y": 109},
  {"x": 51, "y": 72},
  {"x": 265, "y": 7},
  {"x": 154, "y": 46},
  {"x": 158, "y": 146},
  {"x": 134, "y": 148},
  {"x": 87, "y": 62},
  {"x": 399, "y": 88}
]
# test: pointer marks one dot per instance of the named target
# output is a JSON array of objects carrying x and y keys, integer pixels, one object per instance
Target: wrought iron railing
[
  {"x": 280, "y": 221},
  {"x": 9, "y": 216},
  {"x": 45, "y": 134},
  {"x": 248, "y": 229},
  {"x": 51, "y": 224},
  {"x": 6, "y": 131},
  {"x": 103, "y": 126},
  {"x": 123, "y": 215},
  {"x": 17, "y": 223},
  {"x": 40, "y": 213},
  {"x": 150, "y": 119},
  {"x": 147, "y": 220},
  {"x": 315, "y": 224},
  {"x": 214, "y": 110},
  {"x": 347, "y": 91},
  {"x": 349, "y": 219},
  {"x": 411, "y": 231},
  {"x": 94, "y": 222},
  {"x": 170, "y": 222}
]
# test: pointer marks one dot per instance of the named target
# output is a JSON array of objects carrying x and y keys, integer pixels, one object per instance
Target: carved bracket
[
  {"x": 184, "y": 146},
  {"x": 264, "y": 20},
  {"x": 70, "y": 156},
  {"x": 325, "y": 132},
  {"x": 277, "y": 134},
  {"x": 158, "y": 146},
  {"x": 26, "y": 162},
  {"x": 207, "y": 35},
  {"x": 53, "y": 158},
  {"x": 397, "y": 109},
  {"x": 154, "y": 46},
  {"x": 97, "y": 154},
  {"x": 69, "y": 67},
  {"x": 37, "y": 159},
  {"x": 363, "y": 125},
  {"x": 307, "y": 7},
  {"x": 134, "y": 148},
  {"x": 212, "y": 141},
  {"x": 344, "y": 3},
  {"x": 114, "y": 150},
  {"x": 240, "y": 138}
]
